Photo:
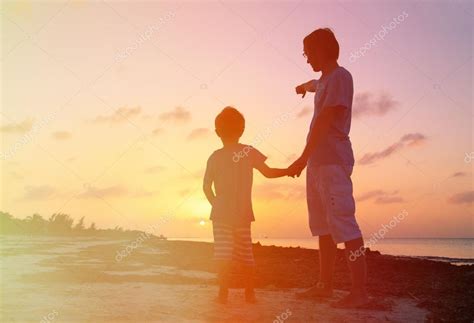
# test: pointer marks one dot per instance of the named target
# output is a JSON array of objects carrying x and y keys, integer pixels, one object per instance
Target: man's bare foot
[
  {"x": 222, "y": 296},
  {"x": 320, "y": 290},
  {"x": 250, "y": 296},
  {"x": 353, "y": 300}
]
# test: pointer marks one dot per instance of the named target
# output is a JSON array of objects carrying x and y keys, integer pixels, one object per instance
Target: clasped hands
[{"x": 297, "y": 167}]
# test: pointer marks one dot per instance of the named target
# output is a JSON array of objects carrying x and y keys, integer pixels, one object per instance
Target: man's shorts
[
  {"x": 331, "y": 205},
  {"x": 233, "y": 243}
]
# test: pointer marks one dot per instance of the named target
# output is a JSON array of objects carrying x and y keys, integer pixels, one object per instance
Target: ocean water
[{"x": 456, "y": 251}]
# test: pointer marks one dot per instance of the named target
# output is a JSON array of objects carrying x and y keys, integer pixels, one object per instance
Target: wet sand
[{"x": 83, "y": 280}]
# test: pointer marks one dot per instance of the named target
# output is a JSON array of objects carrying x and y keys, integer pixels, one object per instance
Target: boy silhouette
[
  {"x": 329, "y": 158},
  {"x": 230, "y": 169}
]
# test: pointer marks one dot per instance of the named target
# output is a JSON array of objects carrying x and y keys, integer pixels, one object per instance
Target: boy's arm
[
  {"x": 271, "y": 172},
  {"x": 207, "y": 188},
  {"x": 306, "y": 87},
  {"x": 208, "y": 180}
]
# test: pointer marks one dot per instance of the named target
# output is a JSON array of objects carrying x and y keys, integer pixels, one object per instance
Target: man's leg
[
  {"x": 327, "y": 258},
  {"x": 355, "y": 256},
  {"x": 357, "y": 266}
]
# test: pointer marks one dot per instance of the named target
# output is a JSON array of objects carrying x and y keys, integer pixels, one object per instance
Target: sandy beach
[{"x": 83, "y": 280}]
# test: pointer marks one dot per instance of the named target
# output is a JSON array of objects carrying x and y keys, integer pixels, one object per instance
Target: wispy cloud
[
  {"x": 179, "y": 114},
  {"x": 459, "y": 174},
  {"x": 369, "y": 195},
  {"x": 304, "y": 112},
  {"x": 198, "y": 133},
  {"x": 413, "y": 139},
  {"x": 369, "y": 104},
  {"x": 380, "y": 197},
  {"x": 21, "y": 127},
  {"x": 388, "y": 199},
  {"x": 157, "y": 131},
  {"x": 462, "y": 198},
  {"x": 194, "y": 175},
  {"x": 119, "y": 116},
  {"x": 39, "y": 192},
  {"x": 154, "y": 169},
  {"x": 408, "y": 140},
  {"x": 15, "y": 175},
  {"x": 61, "y": 135},
  {"x": 112, "y": 192}
]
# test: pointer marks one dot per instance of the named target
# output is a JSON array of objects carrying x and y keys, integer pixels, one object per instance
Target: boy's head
[
  {"x": 320, "y": 47},
  {"x": 230, "y": 124}
]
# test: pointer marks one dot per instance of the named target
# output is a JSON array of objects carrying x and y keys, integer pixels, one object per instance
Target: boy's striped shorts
[{"x": 233, "y": 243}]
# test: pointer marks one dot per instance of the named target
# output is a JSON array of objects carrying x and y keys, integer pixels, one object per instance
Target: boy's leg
[
  {"x": 223, "y": 267},
  {"x": 244, "y": 256},
  {"x": 223, "y": 238},
  {"x": 249, "y": 275}
]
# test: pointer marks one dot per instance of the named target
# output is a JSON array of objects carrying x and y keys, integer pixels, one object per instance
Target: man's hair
[
  {"x": 322, "y": 39},
  {"x": 230, "y": 123}
]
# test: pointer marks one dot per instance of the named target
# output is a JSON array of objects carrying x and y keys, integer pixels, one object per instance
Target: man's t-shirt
[
  {"x": 231, "y": 171},
  {"x": 335, "y": 89}
]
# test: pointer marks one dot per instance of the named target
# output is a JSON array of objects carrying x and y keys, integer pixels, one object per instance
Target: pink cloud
[
  {"x": 21, "y": 127},
  {"x": 367, "y": 104},
  {"x": 304, "y": 112},
  {"x": 198, "y": 133},
  {"x": 119, "y": 116},
  {"x": 462, "y": 198},
  {"x": 179, "y": 114},
  {"x": 408, "y": 140},
  {"x": 61, "y": 135},
  {"x": 381, "y": 197}
]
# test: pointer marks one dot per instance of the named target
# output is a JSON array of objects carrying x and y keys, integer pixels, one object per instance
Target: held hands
[{"x": 297, "y": 167}]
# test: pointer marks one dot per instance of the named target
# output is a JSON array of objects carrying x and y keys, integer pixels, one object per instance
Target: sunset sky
[{"x": 108, "y": 107}]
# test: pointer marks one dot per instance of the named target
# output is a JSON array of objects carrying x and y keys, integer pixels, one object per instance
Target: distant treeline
[{"x": 59, "y": 224}]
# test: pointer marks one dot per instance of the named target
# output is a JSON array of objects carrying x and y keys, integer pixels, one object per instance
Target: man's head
[
  {"x": 320, "y": 47},
  {"x": 230, "y": 124}
]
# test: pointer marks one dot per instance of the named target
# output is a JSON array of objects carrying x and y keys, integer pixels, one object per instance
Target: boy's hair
[
  {"x": 230, "y": 123},
  {"x": 322, "y": 39}
]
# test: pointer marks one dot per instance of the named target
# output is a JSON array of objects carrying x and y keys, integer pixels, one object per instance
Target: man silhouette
[{"x": 329, "y": 158}]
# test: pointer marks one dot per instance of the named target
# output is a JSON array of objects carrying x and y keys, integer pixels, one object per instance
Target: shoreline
[
  {"x": 402, "y": 288},
  {"x": 271, "y": 242}
]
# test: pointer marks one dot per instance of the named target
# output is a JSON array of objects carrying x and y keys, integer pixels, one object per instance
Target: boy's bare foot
[
  {"x": 222, "y": 296},
  {"x": 317, "y": 291},
  {"x": 250, "y": 296},
  {"x": 353, "y": 300}
]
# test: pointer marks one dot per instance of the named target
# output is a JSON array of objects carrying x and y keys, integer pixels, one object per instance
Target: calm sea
[{"x": 456, "y": 251}]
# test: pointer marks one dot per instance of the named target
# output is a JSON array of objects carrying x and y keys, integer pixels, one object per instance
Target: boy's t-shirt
[
  {"x": 231, "y": 171},
  {"x": 335, "y": 89}
]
